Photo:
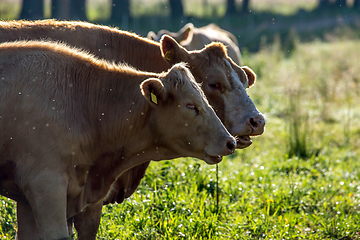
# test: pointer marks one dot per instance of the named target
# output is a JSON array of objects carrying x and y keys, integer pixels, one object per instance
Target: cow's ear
[
  {"x": 250, "y": 75},
  {"x": 218, "y": 49},
  {"x": 171, "y": 50},
  {"x": 184, "y": 33},
  {"x": 151, "y": 35},
  {"x": 153, "y": 90}
]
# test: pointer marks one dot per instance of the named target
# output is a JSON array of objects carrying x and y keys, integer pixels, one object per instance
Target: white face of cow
[
  {"x": 184, "y": 119},
  {"x": 224, "y": 84},
  {"x": 241, "y": 116},
  {"x": 226, "y": 91}
]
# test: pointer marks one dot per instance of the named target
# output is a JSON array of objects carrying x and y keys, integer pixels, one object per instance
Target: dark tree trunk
[
  {"x": 205, "y": 4},
  {"x": 245, "y": 6},
  {"x": 60, "y": 9},
  {"x": 340, "y": 3},
  {"x": 356, "y": 4},
  {"x": 32, "y": 9},
  {"x": 176, "y": 8},
  {"x": 77, "y": 10},
  {"x": 324, "y": 4},
  {"x": 120, "y": 10},
  {"x": 231, "y": 7}
]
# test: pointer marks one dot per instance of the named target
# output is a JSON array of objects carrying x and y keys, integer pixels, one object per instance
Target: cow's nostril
[
  {"x": 231, "y": 145},
  {"x": 253, "y": 123}
]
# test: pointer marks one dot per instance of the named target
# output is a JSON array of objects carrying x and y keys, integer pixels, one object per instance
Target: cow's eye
[
  {"x": 192, "y": 107},
  {"x": 215, "y": 86}
]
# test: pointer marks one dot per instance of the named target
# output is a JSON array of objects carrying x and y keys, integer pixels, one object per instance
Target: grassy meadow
[{"x": 299, "y": 180}]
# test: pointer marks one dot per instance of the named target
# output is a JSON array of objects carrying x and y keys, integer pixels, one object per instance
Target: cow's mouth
[
  {"x": 243, "y": 142},
  {"x": 212, "y": 159}
]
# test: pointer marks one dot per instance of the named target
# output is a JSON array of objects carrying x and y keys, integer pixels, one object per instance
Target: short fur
[
  {"x": 193, "y": 38},
  {"x": 72, "y": 123},
  {"x": 233, "y": 107}
]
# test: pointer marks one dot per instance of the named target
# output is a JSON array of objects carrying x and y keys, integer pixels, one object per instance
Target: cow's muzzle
[
  {"x": 229, "y": 148},
  {"x": 257, "y": 125}
]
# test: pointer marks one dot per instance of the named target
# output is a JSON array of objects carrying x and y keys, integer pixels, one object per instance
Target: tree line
[{"x": 76, "y": 9}]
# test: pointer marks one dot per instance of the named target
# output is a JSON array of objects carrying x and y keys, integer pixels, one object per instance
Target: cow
[
  {"x": 223, "y": 82},
  {"x": 72, "y": 123},
  {"x": 193, "y": 38}
]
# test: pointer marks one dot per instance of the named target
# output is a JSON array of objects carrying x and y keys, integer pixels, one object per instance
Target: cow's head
[
  {"x": 224, "y": 83},
  {"x": 183, "y": 34},
  {"x": 183, "y": 117}
]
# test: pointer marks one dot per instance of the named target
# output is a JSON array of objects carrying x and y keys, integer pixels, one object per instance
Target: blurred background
[{"x": 253, "y": 22}]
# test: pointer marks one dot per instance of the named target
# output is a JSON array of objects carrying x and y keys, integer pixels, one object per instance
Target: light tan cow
[
  {"x": 223, "y": 82},
  {"x": 72, "y": 123},
  {"x": 193, "y": 38}
]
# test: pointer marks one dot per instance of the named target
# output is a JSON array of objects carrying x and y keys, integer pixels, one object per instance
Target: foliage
[{"x": 7, "y": 218}]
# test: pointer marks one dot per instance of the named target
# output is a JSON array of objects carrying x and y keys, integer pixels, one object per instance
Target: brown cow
[
  {"x": 72, "y": 123},
  {"x": 223, "y": 82},
  {"x": 193, "y": 38},
  {"x": 220, "y": 77}
]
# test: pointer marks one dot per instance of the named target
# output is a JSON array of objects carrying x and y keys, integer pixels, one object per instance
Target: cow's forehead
[
  {"x": 181, "y": 70},
  {"x": 206, "y": 65},
  {"x": 232, "y": 76},
  {"x": 186, "y": 80}
]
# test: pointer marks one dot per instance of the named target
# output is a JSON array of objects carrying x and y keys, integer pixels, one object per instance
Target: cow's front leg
[
  {"x": 27, "y": 228},
  {"x": 46, "y": 192},
  {"x": 70, "y": 223},
  {"x": 87, "y": 221}
]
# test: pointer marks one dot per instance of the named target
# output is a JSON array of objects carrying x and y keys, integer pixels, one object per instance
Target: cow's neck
[
  {"x": 150, "y": 59},
  {"x": 111, "y": 165},
  {"x": 125, "y": 140},
  {"x": 126, "y": 136},
  {"x": 139, "y": 52}
]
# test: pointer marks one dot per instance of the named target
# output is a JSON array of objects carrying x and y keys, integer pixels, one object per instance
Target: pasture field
[
  {"x": 100, "y": 9},
  {"x": 299, "y": 180}
]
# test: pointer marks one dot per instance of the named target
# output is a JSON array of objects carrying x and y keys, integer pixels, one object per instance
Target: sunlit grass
[
  {"x": 98, "y": 10},
  {"x": 8, "y": 225},
  {"x": 9, "y": 9},
  {"x": 283, "y": 7}
]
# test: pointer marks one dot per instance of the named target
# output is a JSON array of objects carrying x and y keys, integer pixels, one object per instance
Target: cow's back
[
  {"x": 223, "y": 32},
  {"x": 53, "y": 82},
  {"x": 105, "y": 42},
  {"x": 200, "y": 37}
]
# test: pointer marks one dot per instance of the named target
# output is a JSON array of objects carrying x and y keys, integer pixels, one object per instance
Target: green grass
[
  {"x": 267, "y": 191},
  {"x": 9, "y": 9}
]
